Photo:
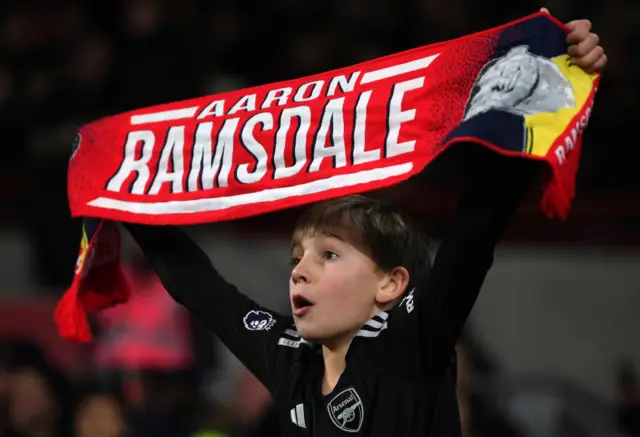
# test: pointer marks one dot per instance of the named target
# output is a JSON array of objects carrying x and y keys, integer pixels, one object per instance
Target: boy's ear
[{"x": 393, "y": 286}]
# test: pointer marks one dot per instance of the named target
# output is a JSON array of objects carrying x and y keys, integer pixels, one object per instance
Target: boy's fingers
[
  {"x": 585, "y": 46},
  {"x": 579, "y": 29}
]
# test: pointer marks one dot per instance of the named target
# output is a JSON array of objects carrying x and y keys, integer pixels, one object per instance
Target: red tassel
[
  {"x": 71, "y": 317},
  {"x": 99, "y": 283}
]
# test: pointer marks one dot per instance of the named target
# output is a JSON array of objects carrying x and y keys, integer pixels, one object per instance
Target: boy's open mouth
[{"x": 300, "y": 304}]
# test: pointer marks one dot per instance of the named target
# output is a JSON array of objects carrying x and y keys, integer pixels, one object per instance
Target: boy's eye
[
  {"x": 328, "y": 255},
  {"x": 294, "y": 261}
]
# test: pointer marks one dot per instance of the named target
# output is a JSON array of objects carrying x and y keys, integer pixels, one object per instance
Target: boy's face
[{"x": 332, "y": 288}]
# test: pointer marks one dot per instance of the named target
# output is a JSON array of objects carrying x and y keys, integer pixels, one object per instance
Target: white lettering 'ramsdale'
[
  {"x": 361, "y": 156},
  {"x": 257, "y": 150},
  {"x": 212, "y": 157},
  {"x": 211, "y": 161},
  {"x": 303, "y": 116},
  {"x": 397, "y": 116},
  {"x": 130, "y": 164},
  {"x": 172, "y": 150},
  {"x": 331, "y": 129},
  {"x": 205, "y": 165}
]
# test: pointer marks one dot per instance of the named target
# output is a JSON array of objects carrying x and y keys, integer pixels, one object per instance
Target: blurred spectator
[
  {"x": 38, "y": 398},
  {"x": 167, "y": 405},
  {"x": 151, "y": 331},
  {"x": 479, "y": 416},
  {"x": 100, "y": 413}
]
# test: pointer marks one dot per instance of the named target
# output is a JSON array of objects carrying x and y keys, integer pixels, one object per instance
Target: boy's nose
[{"x": 300, "y": 273}]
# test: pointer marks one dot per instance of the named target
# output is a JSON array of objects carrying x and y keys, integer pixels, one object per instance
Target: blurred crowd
[
  {"x": 67, "y": 62},
  {"x": 39, "y": 400}
]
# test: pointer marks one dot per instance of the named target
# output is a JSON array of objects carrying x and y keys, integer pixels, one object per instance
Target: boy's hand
[{"x": 584, "y": 49}]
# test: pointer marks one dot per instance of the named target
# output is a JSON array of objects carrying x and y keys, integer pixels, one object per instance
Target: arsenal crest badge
[{"x": 346, "y": 411}]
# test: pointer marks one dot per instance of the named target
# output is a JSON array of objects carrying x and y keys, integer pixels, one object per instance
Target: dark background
[{"x": 67, "y": 62}]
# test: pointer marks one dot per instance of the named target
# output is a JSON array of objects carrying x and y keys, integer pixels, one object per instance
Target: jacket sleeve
[
  {"x": 250, "y": 331},
  {"x": 494, "y": 190}
]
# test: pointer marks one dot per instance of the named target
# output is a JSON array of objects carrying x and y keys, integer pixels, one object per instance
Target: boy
[
  {"x": 369, "y": 348},
  {"x": 374, "y": 327}
]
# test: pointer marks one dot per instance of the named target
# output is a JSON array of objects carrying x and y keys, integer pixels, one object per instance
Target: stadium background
[{"x": 552, "y": 347}]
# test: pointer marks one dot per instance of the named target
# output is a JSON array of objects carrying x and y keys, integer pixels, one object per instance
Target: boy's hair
[{"x": 390, "y": 238}]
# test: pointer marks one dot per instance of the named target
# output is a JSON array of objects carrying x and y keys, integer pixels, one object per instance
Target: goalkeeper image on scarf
[{"x": 369, "y": 349}]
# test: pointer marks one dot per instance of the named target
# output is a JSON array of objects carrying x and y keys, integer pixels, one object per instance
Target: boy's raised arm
[
  {"x": 248, "y": 330},
  {"x": 493, "y": 192}
]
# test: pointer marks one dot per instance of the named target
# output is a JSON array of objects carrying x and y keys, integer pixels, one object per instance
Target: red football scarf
[{"x": 347, "y": 131}]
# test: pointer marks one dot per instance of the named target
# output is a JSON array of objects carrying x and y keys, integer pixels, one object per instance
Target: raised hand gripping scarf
[{"x": 359, "y": 128}]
